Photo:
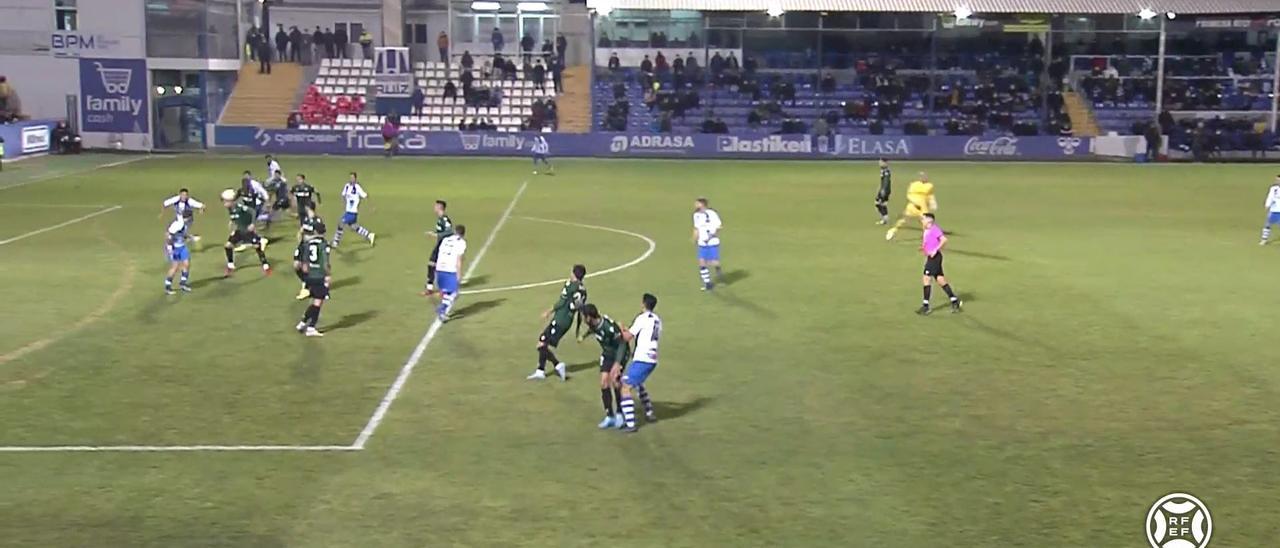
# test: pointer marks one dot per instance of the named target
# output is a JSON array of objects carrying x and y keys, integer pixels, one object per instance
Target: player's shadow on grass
[
  {"x": 473, "y": 309},
  {"x": 734, "y": 300},
  {"x": 352, "y": 253},
  {"x": 345, "y": 282},
  {"x": 579, "y": 367},
  {"x": 477, "y": 280},
  {"x": 672, "y": 410},
  {"x": 979, "y": 255},
  {"x": 734, "y": 276},
  {"x": 197, "y": 284},
  {"x": 352, "y": 320}
]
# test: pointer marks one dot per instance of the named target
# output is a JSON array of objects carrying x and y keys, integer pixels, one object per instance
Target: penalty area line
[{"x": 407, "y": 369}]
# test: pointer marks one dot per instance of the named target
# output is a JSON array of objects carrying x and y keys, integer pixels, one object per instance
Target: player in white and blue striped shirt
[{"x": 542, "y": 153}]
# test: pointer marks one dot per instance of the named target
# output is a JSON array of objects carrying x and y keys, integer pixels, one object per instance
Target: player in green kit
[
  {"x": 572, "y": 297},
  {"x": 311, "y": 260},
  {"x": 310, "y": 225},
  {"x": 306, "y": 199},
  {"x": 613, "y": 356},
  {"x": 242, "y": 232},
  {"x": 443, "y": 229}
]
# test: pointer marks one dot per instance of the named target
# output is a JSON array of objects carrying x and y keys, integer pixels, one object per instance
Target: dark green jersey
[
  {"x": 241, "y": 215},
  {"x": 314, "y": 255},
  {"x": 572, "y": 297},
  {"x": 609, "y": 334},
  {"x": 885, "y": 181},
  {"x": 444, "y": 227},
  {"x": 305, "y": 194}
]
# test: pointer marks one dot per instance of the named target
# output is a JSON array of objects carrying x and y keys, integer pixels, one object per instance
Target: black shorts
[
  {"x": 882, "y": 198},
  {"x": 281, "y": 203},
  {"x": 317, "y": 289},
  {"x": 552, "y": 334},
  {"x": 933, "y": 265},
  {"x": 435, "y": 253},
  {"x": 607, "y": 360},
  {"x": 243, "y": 237}
]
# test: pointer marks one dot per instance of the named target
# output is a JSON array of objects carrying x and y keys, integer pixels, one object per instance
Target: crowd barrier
[{"x": 650, "y": 145}]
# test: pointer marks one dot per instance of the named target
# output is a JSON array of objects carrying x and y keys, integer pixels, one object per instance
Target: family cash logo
[{"x": 1179, "y": 520}]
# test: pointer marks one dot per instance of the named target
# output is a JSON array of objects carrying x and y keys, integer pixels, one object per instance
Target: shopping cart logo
[
  {"x": 115, "y": 80},
  {"x": 113, "y": 95},
  {"x": 471, "y": 142}
]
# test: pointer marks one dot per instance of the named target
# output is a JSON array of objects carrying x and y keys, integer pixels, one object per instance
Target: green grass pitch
[{"x": 1116, "y": 346}]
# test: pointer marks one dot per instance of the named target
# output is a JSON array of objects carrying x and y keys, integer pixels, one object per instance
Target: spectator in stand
[
  {"x": 732, "y": 62},
  {"x": 317, "y": 43},
  {"x": 340, "y": 40},
  {"x": 646, "y": 66},
  {"x": 828, "y": 83},
  {"x": 548, "y": 51},
  {"x": 264, "y": 57},
  {"x": 497, "y": 40},
  {"x": 553, "y": 115},
  {"x": 557, "y": 75},
  {"x": 562, "y": 48},
  {"x": 251, "y": 39},
  {"x": 467, "y": 80},
  {"x": 442, "y": 44},
  {"x": 526, "y": 46},
  {"x": 466, "y": 61},
  {"x": 677, "y": 71},
  {"x": 462, "y": 124},
  {"x": 282, "y": 43},
  {"x": 1153, "y": 138},
  {"x": 295, "y": 45},
  {"x": 660, "y": 65},
  {"x": 716, "y": 65},
  {"x": 539, "y": 76},
  {"x": 415, "y": 101},
  {"x": 614, "y": 63},
  {"x": 512, "y": 73},
  {"x": 693, "y": 73},
  {"x": 450, "y": 90},
  {"x": 330, "y": 44},
  {"x": 294, "y": 121},
  {"x": 366, "y": 44},
  {"x": 527, "y": 71}
]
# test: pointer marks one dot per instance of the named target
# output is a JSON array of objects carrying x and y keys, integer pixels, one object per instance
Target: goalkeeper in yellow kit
[{"x": 920, "y": 200}]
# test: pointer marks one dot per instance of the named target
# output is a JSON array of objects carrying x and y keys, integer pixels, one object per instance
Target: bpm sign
[{"x": 73, "y": 44}]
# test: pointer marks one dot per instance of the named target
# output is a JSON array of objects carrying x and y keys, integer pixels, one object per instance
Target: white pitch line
[
  {"x": 633, "y": 262},
  {"x": 407, "y": 369},
  {"x": 79, "y": 172},
  {"x": 167, "y": 448},
  {"x": 60, "y": 225}
]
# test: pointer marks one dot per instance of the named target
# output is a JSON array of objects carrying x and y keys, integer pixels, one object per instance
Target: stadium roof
[{"x": 1189, "y": 7}]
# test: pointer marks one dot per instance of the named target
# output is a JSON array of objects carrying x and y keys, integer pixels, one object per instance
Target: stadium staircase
[
  {"x": 575, "y": 102},
  {"x": 1083, "y": 121},
  {"x": 264, "y": 100}
]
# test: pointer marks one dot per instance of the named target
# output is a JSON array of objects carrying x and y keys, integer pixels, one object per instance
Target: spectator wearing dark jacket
[
  {"x": 295, "y": 45},
  {"x": 557, "y": 75},
  {"x": 539, "y": 76},
  {"x": 614, "y": 63},
  {"x": 646, "y": 66},
  {"x": 252, "y": 38},
  {"x": 317, "y": 44},
  {"x": 264, "y": 57},
  {"x": 562, "y": 47},
  {"x": 330, "y": 44},
  {"x": 548, "y": 51},
  {"x": 340, "y": 40},
  {"x": 415, "y": 101},
  {"x": 467, "y": 61},
  {"x": 497, "y": 40},
  {"x": 282, "y": 43},
  {"x": 660, "y": 63},
  {"x": 450, "y": 90},
  {"x": 526, "y": 45}
]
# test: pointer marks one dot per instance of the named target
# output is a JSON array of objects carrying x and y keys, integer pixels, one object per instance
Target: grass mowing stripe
[
  {"x": 60, "y": 225},
  {"x": 394, "y": 391}
]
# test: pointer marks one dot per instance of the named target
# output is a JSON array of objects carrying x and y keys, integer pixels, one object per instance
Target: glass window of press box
[{"x": 195, "y": 29}]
